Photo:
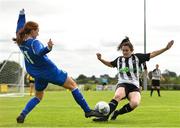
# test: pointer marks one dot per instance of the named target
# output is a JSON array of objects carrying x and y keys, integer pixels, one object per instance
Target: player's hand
[
  {"x": 22, "y": 11},
  {"x": 98, "y": 56},
  {"x": 50, "y": 44},
  {"x": 169, "y": 45}
]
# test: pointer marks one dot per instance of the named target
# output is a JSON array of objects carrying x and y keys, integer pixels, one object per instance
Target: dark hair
[
  {"x": 28, "y": 27},
  {"x": 125, "y": 42}
]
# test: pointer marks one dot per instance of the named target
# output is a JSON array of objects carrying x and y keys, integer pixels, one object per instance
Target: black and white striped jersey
[
  {"x": 156, "y": 74},
  {"x": 129, "y": 68}
]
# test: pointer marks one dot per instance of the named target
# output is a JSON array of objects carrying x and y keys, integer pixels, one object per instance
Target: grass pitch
[{"x": 58, "y": 109}]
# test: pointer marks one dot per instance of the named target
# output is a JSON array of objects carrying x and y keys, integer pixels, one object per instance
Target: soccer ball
[{"x": 102, "y": 107}]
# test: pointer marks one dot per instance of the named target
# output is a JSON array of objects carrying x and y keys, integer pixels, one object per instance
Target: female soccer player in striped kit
[
  {"x": 42, "y": 68},
  {"x": 128, "y": 66}
]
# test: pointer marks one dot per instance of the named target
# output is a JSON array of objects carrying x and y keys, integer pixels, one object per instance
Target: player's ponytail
[
  {"x": 22, "y": 33},
  {"x": 19, "y": 36}
]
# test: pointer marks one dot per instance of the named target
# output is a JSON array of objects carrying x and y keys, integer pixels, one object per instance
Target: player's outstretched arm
[
  {"x": 21, "y": 20},
  {"x": 158, "y": 52},
  {"x": 107, "y": 63}
]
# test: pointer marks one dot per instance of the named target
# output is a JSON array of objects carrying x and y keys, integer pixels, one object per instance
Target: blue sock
[
  {"x": 80, "y": 100},
  {"x": 30, "y": 105}
]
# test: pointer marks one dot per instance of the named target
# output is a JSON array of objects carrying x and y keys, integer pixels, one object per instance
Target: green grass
[{"x": 58, "y": 109}]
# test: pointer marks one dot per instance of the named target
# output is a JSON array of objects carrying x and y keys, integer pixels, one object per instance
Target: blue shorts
[{"x": 57, "y": 77}]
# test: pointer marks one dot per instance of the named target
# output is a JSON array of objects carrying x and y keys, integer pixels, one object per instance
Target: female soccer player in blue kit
[{"x": 42, "y": 68}]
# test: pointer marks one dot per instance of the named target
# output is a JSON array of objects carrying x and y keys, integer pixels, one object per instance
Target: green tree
[
  {"x": 168, "y": 73},
  {"x": 82, "y": 79}
]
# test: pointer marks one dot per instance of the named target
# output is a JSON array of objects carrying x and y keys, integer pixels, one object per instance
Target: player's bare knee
[
  {"x": 72, "y": 85},
  {"x": 40, "y": 98},
  {"x": 118, "y": 97},
  {"x": 39, "y": 95},
  {"x": 134, "y": 104}
]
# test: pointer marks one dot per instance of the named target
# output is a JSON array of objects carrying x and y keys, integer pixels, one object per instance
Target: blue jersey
[
  {"x": 34, "y": 52},
  {"x": 37, "y": 63}
]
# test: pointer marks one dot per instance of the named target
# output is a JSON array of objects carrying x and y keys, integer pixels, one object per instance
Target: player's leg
[
  {"x": 119, "y": 95},
  {"x": 40, "y": 85},
  {"x": 152, "y": 89},
  {"x": 158, "y": 91},
  {"x": 61, "y": 78},
  {"x": 134, "y": 101},
  {"x": 72, "y": 86},
  {"x": 29, "y": 106},
  {"x": 153, "y": 84},
  {"x": 158, "y": 87},
  {"x": 31, "y": 88},
  {"x": 134, "y": 97}
]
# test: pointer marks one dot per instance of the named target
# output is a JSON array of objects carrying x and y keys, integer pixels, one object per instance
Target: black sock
[
  {"x": 151, "y": 92},
  {"x": 112, "y": 104},
  {"x": 125, "y": 109},
  {"x": 158, "y": 90}
]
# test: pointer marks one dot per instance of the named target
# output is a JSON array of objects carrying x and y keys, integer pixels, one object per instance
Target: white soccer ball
[{"x": 102, "y": 107}]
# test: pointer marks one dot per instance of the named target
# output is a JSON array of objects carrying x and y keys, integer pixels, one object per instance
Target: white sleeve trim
[{"x": 32, "y": 46}]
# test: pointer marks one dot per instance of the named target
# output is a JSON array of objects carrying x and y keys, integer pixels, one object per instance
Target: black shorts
[
  {"x": 104, "y": 84},
  {"x": 31, "y": 81},
  {"x": 128, "y": 88},
  {"x": 155, "y": 82}
]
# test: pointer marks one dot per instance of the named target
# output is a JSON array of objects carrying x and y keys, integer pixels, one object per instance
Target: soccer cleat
[
  {"x": 20, "y": 118},
  {"x": 93, "y": 113},
  {"x": 100, "y": 119},
  {"x": 114, "y": 115}
]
